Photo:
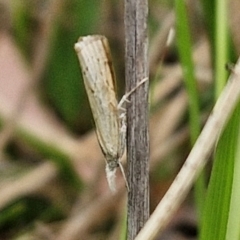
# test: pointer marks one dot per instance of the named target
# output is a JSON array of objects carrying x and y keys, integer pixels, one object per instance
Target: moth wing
[{"x": 95, "y": 60}]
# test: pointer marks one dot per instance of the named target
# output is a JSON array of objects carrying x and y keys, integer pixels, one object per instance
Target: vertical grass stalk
[{"x": 185, "y": 55}]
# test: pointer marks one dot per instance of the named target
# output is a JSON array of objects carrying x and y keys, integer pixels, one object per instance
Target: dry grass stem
[{"x": 196, "y": 159}]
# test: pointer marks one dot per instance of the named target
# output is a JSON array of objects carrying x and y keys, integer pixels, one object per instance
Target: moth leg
[
  {"x": 122, "y": 143},
  {"x": 123, "y": 131},
  {"x": 123, "y": 127},
  {"x": 124, "y": 175},
  {"x": 126, "y": 95},
  {"x": 122, "y": 118}
]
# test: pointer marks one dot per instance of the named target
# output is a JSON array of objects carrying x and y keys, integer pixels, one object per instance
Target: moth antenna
[
  {"x": 124, "y": 175},
  {"x": 111, "y": 178}
]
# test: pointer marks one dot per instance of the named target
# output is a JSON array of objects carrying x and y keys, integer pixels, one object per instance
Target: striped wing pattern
[{"x": 95, "y": 60}]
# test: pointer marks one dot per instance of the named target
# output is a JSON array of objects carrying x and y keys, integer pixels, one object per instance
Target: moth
[{"x": 109, "y": 116}]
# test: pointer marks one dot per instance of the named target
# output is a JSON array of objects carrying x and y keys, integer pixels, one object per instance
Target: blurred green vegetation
[
  {"x": 25, "y": 211},
  {"x": 63, "y": 92},
  {"x": 62, "y": 82}
]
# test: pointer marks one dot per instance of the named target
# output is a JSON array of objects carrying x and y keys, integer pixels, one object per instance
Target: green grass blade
[
  {"x": 185, "y": 54},
  {"x": 209, "y": 14},
  {"x": 218, "y": 203},
  {"x": 233, "y": 226},
  {"x": 222, "y": 45}
]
